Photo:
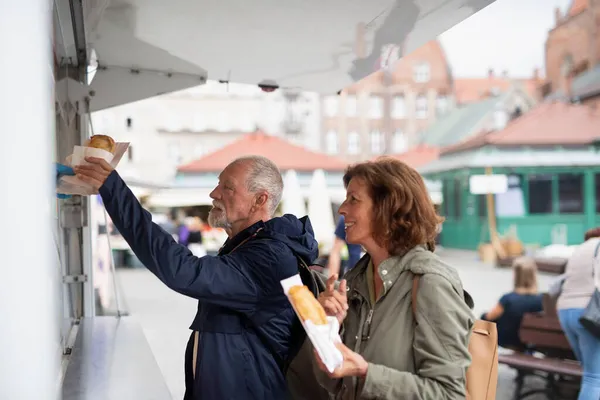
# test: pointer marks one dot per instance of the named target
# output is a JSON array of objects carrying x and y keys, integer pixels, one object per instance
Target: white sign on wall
[{"x": 483, "y": 184}]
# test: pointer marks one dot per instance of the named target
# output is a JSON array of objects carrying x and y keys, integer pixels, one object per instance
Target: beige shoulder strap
[
  {"x": 415, "y": 288},
  {"x": 195, "y": 354}
]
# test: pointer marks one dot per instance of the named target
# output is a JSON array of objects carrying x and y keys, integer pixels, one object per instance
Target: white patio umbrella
[
  {"x": 292, "y": 201},
  {"x": 320, "y": 211}
]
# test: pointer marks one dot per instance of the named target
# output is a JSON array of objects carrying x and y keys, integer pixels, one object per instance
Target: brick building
[
  {"x": 472, "y": 90},
  {"x": 385, "y": 112},
  {"x": 573, "y": 54},
  {"x": 388, "y": 112}
]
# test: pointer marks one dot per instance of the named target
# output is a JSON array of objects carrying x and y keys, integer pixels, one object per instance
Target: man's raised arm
[{"x": 222, "y": 280}]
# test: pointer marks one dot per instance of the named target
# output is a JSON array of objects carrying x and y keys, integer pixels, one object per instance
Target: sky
[{"x": 507, "y": 35}]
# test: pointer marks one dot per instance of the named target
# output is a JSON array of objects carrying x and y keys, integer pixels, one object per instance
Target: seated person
[{"x": 511, "y": 307}]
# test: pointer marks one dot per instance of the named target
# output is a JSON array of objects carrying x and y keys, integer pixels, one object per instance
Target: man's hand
[
  {"x": 353, "y": 365},
  {"x": 94, "y": 174},
  {"x": 335, "y": 302}
]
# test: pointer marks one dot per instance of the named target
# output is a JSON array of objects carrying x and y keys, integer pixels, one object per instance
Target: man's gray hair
[{"x": 263, "y": 175}]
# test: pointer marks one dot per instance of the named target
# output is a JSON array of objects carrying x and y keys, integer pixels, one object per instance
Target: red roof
[
  {"x": 549, "y": 124},
  {"x": 469, "y": 90},
  {"x": 418, "y": 156},
  {"x": 284, "y": 154}
]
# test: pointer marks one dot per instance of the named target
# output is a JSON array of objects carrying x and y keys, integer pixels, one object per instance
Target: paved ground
[{"x": 166, "y": 315}]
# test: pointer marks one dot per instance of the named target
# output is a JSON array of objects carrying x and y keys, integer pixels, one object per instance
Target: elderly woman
[{"x": 391, "y": 351}]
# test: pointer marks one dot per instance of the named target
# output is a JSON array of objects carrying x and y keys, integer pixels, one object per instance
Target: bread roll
[
  {"x": 307, "y": 305},
  {"x": 103, "y": 142}
]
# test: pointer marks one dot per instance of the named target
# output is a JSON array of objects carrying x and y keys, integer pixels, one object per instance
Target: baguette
[{"x": 307, "y": 306}]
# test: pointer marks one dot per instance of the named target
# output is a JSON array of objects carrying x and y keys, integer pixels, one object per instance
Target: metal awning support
[{"x": 71, "y": 129}]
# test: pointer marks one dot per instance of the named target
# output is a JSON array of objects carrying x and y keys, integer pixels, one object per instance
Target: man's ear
[{"x": 260, "y": 201}]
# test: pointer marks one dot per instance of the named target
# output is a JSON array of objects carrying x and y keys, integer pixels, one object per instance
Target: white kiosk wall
[{"x": 29, "y": 342}]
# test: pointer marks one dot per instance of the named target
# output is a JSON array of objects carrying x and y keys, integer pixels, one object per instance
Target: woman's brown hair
[
  {"x": 404, "y": 215},
  {"x": 525, "y": 275},
  {"x": 592, "y": 233}
]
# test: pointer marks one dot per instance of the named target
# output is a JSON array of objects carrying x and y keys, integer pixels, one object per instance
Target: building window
[
  {"x": 353, "y": 143},
  {"x": 199, "y": 123},
  {"x": 130, "y": 153},
  {"x": 422, "y": 73},
  {"x": 294, "y": 120},
  {"x": 500, "y": 119},
  {"x": 398, "y": 107},
  {"x": 376, "y": 139},
  {"x": 399, "y": 142},
  {"x": 512, "y": 202},
  {"x": 482, "y": 205},
  {"x": 331, "y": 142},
  {"x": 567, "y": 65},
  {"x": 172, "y": 123},
  {"x": 247, "y": 123},
  {"x": 351, "y": 106},
  {"x": 375, "y": 107},
  {"x": 421, "y": 107},
  {"x": 457, "y": 203},
  {"x": 570, "y": 193},
  {"x": 441, "y": 105},
  {"x": 597, "y": 182},
  {"x": 516, "y": 113},
  {"x": 540, "y": 194},
  {"x": 446, "y": 198},
  {"x": 224, "y": 122},
  {"x": 174, "y": 153},
  {"x": 331, "y": 106}
]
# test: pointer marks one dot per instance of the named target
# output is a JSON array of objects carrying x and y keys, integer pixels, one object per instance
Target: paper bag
[
  {"x": 323, "y": 337},
  {"x": 70, "y": 184}
]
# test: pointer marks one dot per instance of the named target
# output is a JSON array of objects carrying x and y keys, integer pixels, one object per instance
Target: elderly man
[{"x": 243, "y": 328}]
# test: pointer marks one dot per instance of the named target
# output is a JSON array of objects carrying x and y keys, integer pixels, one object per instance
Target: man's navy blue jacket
[{"x": 243, "y": 315}]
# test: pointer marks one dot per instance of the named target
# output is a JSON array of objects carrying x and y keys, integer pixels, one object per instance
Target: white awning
[{"x": 252, "y": 42}]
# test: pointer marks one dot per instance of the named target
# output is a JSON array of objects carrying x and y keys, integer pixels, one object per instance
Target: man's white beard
[{"x": 218, "y": 219}]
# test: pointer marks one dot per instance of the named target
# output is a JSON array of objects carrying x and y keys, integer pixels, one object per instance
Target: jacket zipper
[
  {"x": 363, "y": 333},
  {"x": 366, "y": 332}
]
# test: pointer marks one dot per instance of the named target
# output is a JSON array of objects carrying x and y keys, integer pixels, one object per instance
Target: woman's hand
[
  {"x": 353, "y": 365},
  {"x": 95, "y": 173},
  {"x": 335, "y": 302}
]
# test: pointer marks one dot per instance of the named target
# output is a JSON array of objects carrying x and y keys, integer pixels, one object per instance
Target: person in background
[
  {"x": 524, "y": 298},
  {"x": 195, "y": 237},
  {"x": 181, "y": 229},
  {"x": 575, "y": 294},
  {"x": 334, "y": 265}
]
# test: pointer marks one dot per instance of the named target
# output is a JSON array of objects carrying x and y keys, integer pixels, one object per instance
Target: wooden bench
[
  {"x": 551, "y": 265},
  {"x": 554, "y": 360},
  {"x": 557, "y": 373}
]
